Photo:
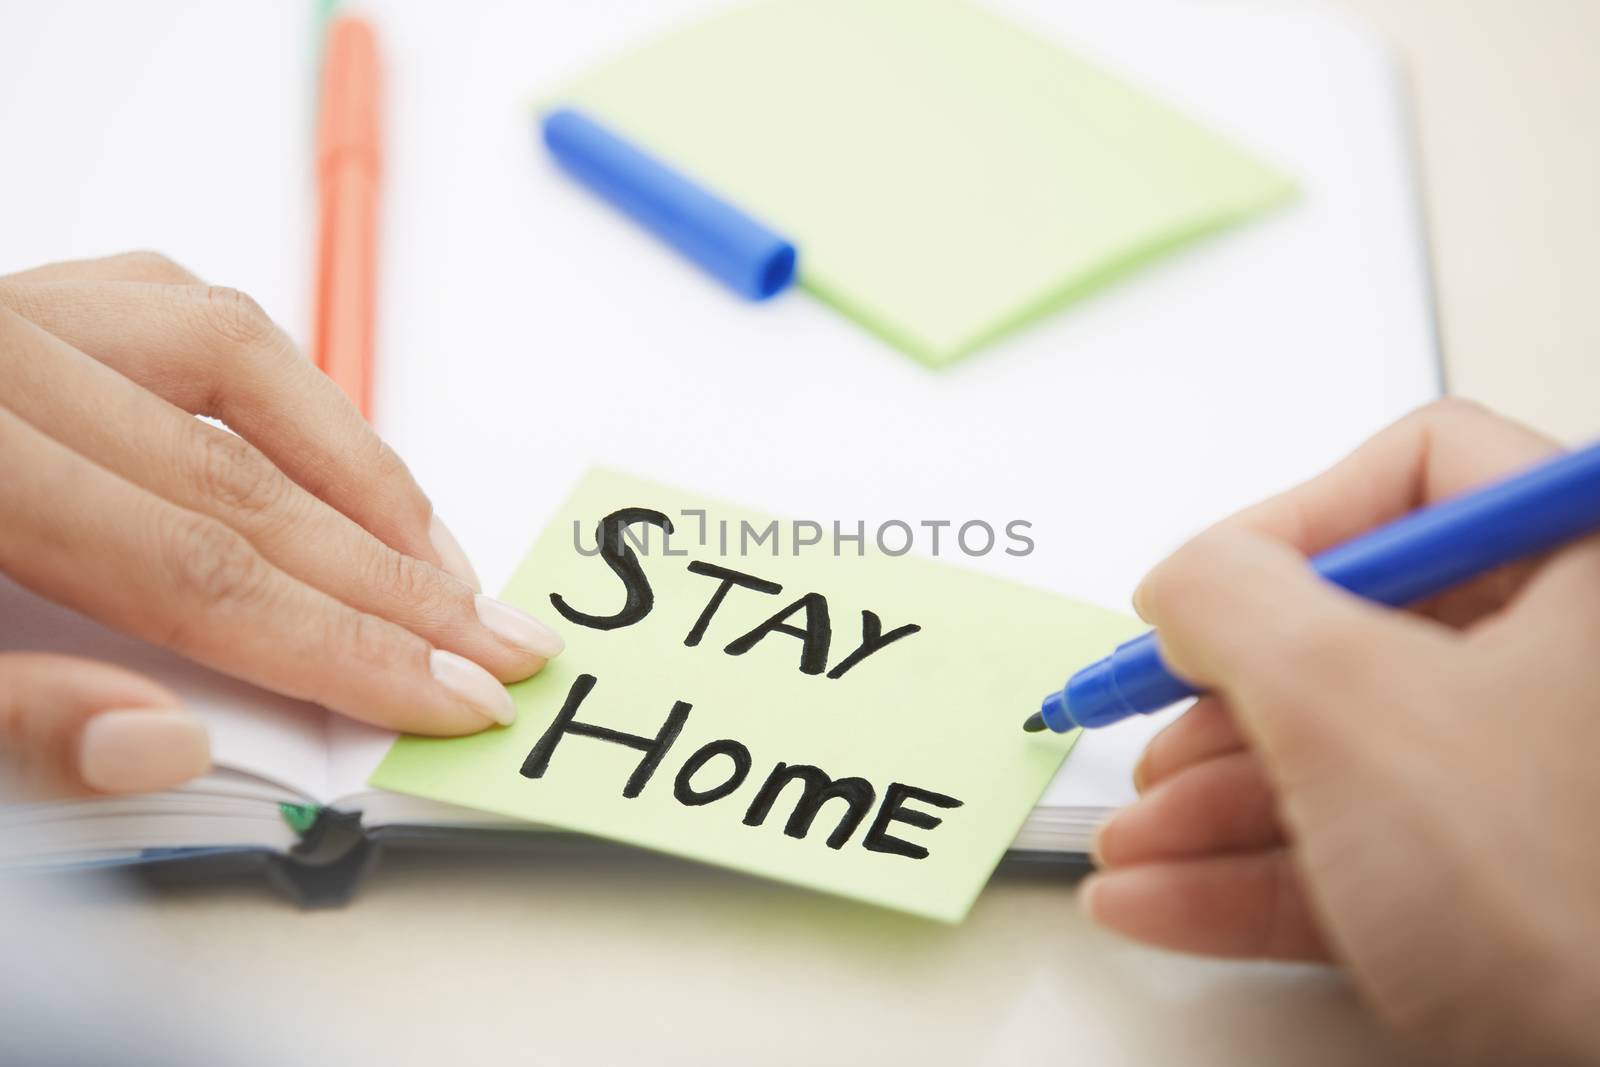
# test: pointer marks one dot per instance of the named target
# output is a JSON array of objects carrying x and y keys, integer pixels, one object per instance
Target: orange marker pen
[{"x": 348, "y": 167}]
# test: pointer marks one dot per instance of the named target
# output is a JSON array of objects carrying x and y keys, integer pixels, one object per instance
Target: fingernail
[
  {"x": 1138, "y": 775},
  {"x": 517, "y": 628},
  {"x": 473, "y": 684},
  {"x": 142, "y": 750},
  {"x": 1087, "y": 890},
  {"x": 1138, "y": 600},
  {"x": 451, "y": 557}
]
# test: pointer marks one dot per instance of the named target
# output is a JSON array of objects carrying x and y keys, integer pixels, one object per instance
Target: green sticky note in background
[
  {"x": 946, "y": 174},
  {"x": 938, "y": 711}
]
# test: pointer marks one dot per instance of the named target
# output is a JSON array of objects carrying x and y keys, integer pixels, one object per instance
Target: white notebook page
[{"x": 527, "y": 331}]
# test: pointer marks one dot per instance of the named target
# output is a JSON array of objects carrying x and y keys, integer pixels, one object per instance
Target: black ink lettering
[
  {"x": 683, "y": 786},
  {"x": 817, "y": 634},
  {"x": 729, "y": 579},
  {"x": 872, "y": 639},
  {"x": 621, "y": 559},
  {"x": 857, "y": 794},
  {"x": 878, "y": 838},
  {"x": 639, "y": 539},
  {"x": 654, "y": 748}
]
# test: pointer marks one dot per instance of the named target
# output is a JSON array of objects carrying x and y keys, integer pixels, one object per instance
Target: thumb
[
  {"x": 1306, "y": 669},
  {"x": 78, "y": 725}
]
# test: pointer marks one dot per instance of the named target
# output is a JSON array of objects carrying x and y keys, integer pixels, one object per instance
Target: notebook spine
[
  {"x": 324, "y": 869},
  {"x": 328, "y": 865},
  {"x": 336, "y": 852}
]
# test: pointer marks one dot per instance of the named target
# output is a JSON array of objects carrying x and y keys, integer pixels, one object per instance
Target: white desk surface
[{"x": 624, "y": 958}]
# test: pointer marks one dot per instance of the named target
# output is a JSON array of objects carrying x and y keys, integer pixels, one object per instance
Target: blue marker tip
[{"x": 1130, "y": 680}]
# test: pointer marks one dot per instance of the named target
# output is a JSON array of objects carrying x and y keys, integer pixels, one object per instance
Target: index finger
[
  {"x": 1433, "y": 453},
  {"x": 140, "y": 266},
  {"x": 214, "y": 351},
  {"x": 95, "y": 543}
]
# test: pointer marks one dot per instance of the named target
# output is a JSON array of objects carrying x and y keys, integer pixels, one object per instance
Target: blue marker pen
[{"x": 1411, "y": 558}]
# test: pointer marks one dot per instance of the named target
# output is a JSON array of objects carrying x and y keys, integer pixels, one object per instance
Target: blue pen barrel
[
  {"x": 1433, "y": 549},
  {"x": 1407, "y": 560},
  {"x": 743, "y": 253}
]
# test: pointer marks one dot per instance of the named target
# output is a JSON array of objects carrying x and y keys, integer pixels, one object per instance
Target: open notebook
[
  {"x": 279, "y": 759},
  {"x": 513, "y": 305}
]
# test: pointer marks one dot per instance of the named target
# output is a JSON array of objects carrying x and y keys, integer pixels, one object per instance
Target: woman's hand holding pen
[
  {"x": 1413, "y": 795},
  {"x": 296, "y": 553}
]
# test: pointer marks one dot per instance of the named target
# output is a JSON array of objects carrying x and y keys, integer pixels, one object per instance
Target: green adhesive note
[
  {"x": 946, "y": 174},
  {"x": 734, "y": 694}
]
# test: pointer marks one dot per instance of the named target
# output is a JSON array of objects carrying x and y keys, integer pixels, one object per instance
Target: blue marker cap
[{"x": 747, "y": 256}]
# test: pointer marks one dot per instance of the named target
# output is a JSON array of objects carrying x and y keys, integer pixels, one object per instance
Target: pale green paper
[
  {"x": 947, "y": 175},
  {"x": 941, "y": 709}
]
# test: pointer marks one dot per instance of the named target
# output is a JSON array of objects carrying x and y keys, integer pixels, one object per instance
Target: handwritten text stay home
[{"x": 719, "y": 769}]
